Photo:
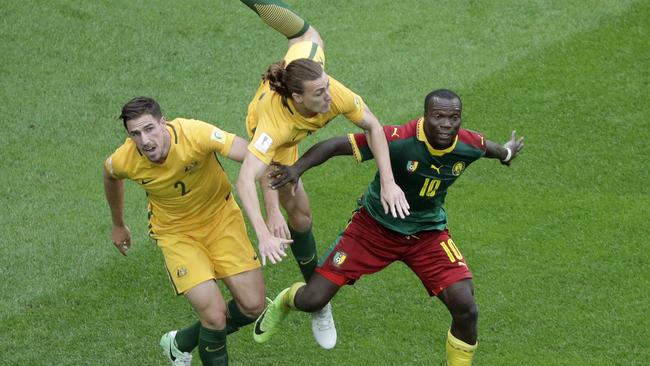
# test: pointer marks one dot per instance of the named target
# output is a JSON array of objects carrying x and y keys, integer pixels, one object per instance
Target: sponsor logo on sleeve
[
  {"x": 218, "y": 136},
  {"x": 263, "y": 143}
]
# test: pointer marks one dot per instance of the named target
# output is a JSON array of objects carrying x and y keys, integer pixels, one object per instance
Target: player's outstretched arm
[
  {"x": 270, "y": 247},
  {"x": 506, "y": 152},
  {"x": 392, "y": 197},
  {"x": 274, "y": 220},
  {"x": 120, "y": 235},
  {"x": 282, "y": 175},
  {"x": 238, "y": 150}
]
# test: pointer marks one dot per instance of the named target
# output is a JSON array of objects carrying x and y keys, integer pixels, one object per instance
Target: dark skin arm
[
  {"x": 316, "y": 155},
  {"x": 497, "y": 151},
  {"x": 282, "y": 175}
]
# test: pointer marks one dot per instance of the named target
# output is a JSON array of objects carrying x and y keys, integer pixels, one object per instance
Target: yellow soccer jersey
[
  {"x": 305, "y": 49},
  {"x": 274, "y": 124},
  {"x": 188, "y": 190}
]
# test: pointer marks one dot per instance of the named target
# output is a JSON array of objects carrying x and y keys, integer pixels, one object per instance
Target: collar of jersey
[{"x": 435, "y": 152}]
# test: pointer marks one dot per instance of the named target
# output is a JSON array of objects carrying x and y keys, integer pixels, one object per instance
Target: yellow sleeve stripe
[
  {"x": 355, "y": 149},
  {"x": 230, "y": 138}
]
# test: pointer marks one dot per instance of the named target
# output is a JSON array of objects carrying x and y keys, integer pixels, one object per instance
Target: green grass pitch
[{"x": 558, "y": 243}]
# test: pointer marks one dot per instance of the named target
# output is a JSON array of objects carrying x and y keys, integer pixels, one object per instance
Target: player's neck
[{"x": 307, "y": 113}]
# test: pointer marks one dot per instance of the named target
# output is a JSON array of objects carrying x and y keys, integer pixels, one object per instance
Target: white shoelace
[{"x": 323, "y": 321}]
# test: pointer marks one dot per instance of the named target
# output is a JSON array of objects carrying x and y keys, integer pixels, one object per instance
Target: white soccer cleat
[
  {"x": 322, "y": 326},
  {"x": 173, "y": 354}
]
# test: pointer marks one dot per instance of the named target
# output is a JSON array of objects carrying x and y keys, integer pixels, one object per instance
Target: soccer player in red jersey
[{"x": 427, "y": 155}]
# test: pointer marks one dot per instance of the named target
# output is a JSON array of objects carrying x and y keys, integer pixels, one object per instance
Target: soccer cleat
[
  {"x": 322, "y": 326},
  {"x": 173, "y": 354},
  {"x": 267, "y": 323}
]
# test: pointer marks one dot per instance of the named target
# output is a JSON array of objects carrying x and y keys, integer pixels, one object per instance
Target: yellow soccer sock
[
  {"x": 291, "y": 294},
  {"x": 459, "y": 353}
]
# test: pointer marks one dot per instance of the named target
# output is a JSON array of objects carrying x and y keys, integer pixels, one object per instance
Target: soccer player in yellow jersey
[
  {"x": 295, "y": 98},
  {"x": 194, "y": 220}
]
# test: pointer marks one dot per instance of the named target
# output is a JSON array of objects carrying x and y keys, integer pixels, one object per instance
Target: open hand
[
  {"x": 394, "y": 200},
  {"x": 274, "y": 249},
  {"x": 515, "y": 145}
]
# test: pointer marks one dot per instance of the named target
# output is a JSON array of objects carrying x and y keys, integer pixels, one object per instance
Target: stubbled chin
[{"x": 152, "y": 156}]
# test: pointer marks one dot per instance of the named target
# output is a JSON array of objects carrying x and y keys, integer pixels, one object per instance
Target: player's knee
[
  {"x": 213, "y": 319},
  {"x": 252, "y": 308},
  {"x": 465, "y": 313},
  {"x": 300, "y": 221}
]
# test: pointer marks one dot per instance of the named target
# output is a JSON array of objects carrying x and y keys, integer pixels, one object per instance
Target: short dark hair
[
  {"x": 441, "y": 93},
  {"x": 140, "y": 106},
  {"x": 289, "y": 79}
]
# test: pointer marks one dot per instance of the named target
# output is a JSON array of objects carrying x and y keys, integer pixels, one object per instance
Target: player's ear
[{"x": 297, "y": 98}]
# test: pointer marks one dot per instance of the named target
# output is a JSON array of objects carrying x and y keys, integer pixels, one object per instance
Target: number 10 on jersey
[{"x": 429, "y": 187}]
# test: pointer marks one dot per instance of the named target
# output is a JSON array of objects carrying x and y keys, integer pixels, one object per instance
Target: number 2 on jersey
[
  {"x": 182, "y": 187},
  {"x": 429, "y": 187}
]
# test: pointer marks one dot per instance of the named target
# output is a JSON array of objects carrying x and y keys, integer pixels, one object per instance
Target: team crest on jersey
[
  {"x": 339, "y": 258},
  {"x": 191, "y": 166},
  {"x": 458, "y": 168},
  {"x": 182, "y": 271},
  {"x": 411, "y": 166},
  {"x": 218, "y": 136}
]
